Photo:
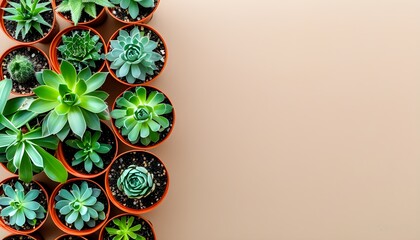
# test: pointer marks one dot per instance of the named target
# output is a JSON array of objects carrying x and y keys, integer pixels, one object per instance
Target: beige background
[{"x": 296, "y": 120}]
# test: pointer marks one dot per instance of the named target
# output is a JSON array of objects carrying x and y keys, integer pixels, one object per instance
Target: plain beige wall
[{"x": 296, "y": 120}]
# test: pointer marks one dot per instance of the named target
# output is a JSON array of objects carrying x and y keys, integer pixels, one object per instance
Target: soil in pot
[
  {"x": 39, "y": 61},
  {"x": 145, "y": 231},
  {"x": 152, "y": 164},
  {"x": 41, "y": 199},
  {"x": 19, "y": 237},
  {"x": 124, "y": 15},
  {"x": 33, "y": 35},
  {"x": 83, "y": 18},
  {"x": 70, "y": 237}
]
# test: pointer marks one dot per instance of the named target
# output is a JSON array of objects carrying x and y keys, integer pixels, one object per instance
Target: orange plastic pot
[
  {"x": 115, "y": 35},
  {"x": 132, "y": 210},
  {"x": 102, "y": 233},
  {"x": 57, "y": 41},
  {"x": 55, "y": 28},
  {"x": 143, "y": 20},
  {"x": 25, "y": 235},
  {"x": 70, "y": 169},
  {"x": 100, "y": 18},
  {"x": 14, "y": 231},
  {"x": 68, "y": 235},
  {"x": 126, "y": 141},
  {"x": 17, "y": 47},
  {"x": 60, "y": 224}
]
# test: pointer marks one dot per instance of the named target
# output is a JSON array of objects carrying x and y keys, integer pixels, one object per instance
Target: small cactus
[{"x": 21, "y": 69}]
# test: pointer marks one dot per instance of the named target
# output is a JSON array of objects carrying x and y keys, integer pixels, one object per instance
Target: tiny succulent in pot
[
  {"x": 90, "y": 150},
  {"x": 124, "y": 229},
  {"x": 71, "y": 100},
  {"x": 133, "y": 6},
  {"x": 140, "y": 116},
  {"x": 21, "y": 207},
  {"x": 132, "y": 55},
  {"x": 136, "y": 182},
  {"x": 80, "y": 205},
  {"x": 81, "y": 49},
  {"x": 76, "y": 7},
  {"x": 21, "y": 69},
  {"x": 27, "y": 15}
]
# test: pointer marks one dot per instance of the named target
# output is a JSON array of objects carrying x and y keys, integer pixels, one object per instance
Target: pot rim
[{"x": 143, "y": 20}]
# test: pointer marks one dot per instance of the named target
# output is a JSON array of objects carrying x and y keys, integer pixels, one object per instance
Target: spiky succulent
[
  {"x": 136, "y": 182},
  {"x": 90, "y": 150},
  {"x": 76, "y": 7},
  {"x": 27, "y": 15},
  {"x": 80, "y": 205},
  {"x": 139, "y": 117},
  {"x": 81, "y": 49},
  {"x": 71, "y": 100},
  {"x": 21, "y": 69},
  {"x": 133, "y": 6},
  {"x": 124, "y": 229},
  {"x": 132, "y": 55},
  {"x": 22, "y": 207}
]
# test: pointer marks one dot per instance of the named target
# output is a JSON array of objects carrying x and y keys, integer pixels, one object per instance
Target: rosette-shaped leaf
[
  {"x": 133, "y": 6},
  {"x": 76, "y": 7},
  {"x": 124, "y": 229},
  {"x": 132, "y": 55},
  {"x": 136, "y": 182},
  {"x": 139, "y": 116},
  {"x": 80, "y": 205},
  {"x": 21, "y": 207},
  {"x": 21, "y": 69},
  {"x": 71, "y": 100}
]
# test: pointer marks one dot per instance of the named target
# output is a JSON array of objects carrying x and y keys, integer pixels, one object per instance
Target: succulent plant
[
  {"x": 80, "y": 205},
  {"x": 71, "y": 100},
  {"x": 124, "y": 229},
  {"x": 21, "y": 207},
  {"x": 76, "y": 7},
  {"x": 21, "y": 69},
  {"x": 27, "y": 15},
  {"x": 132, "y": 55},
  {"x": 81, "y": 49},
  {"x": 136, "y": 182},
  {"x": 140, "y": 116},
  {"x": 133, "y": 6},
  {"x": 90, "y": 150}
]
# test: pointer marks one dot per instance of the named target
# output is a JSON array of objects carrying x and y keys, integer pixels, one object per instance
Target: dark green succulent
[
  {"x": 27, "y": 15},
  {"x": 133, "y": 6},
  {"x": 76, "y": 7},
  {"x": 21, "y": 69},
  {"x": 136, "y": 182},
  {"x": 81, "y": 49},
  {"x": 124, "y": 229}
]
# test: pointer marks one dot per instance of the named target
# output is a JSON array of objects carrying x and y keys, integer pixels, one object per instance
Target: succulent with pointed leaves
[
  {"x": 124, "y": 229},
  {"x": 133, "y": 6},
  {"x": 76, "y": 7},
  {"x": 136, "y": 182}
]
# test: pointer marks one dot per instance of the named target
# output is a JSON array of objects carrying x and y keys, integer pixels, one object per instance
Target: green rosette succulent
[
  {"x": 133, "y": 6},
  {"x": 71, "y": 100},
  {"x": 140, "y": 116},
  {"x": 136, "y": 182},
  {"x": 21, "y": 69},
  {"x": 124, "y": 229},
  {"x": 132, "y": 55},
  {"x": 76, "y": 7}
]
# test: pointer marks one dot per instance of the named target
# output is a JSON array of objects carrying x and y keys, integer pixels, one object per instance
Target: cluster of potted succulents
[{"x": 55, "y": 119}]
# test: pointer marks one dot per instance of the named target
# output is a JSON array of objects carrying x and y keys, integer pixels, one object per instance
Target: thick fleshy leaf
[
  {"x": 52, "y": 79},
  {"x": 96, "y": 81},
  {"x": 46, "y": 92},
  {"x": 33, "y": 154},
  {"x": 6, "y": 140},
  {"x": 52, "y": 167},
  {"x": 41, "y": 106},
  {"x": 5, "y": 88},
  {"x": 55, "y": 123},
  {"x": 92, "y": 104},
  {"x": 25, "y": 169},
  {"x": 76, "y": 121},
  {"x": 69, "y": 73}
]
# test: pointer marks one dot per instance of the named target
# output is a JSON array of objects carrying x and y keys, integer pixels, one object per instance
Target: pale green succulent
[
  {"x": 21, "y": 207},
  {"x": 132, "y": 55},
  {"x": 136, "y": 182},
  {"x": 76, "y": 7},
  {"x": 125, "y": 229},
  {"x": 139, "y": 117},
  {"x": 21, "y": 69},
  {"x": 80, "y": 205},
  {"x": 133, "y": 6}
]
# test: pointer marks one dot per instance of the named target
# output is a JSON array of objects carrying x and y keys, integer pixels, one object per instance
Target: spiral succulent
[
  {"x": 21, "y": 69},
  {"x": 133, "y": 6},
  {"x": 136, "y": 182},
  {"x": 132, "y": 55}
]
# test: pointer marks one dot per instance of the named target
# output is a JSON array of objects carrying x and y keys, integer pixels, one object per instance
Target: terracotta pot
[
  {"x": 24, "y": 235},
  {"x": 100, "y": 17},
  {"x": 102, "y": 232},
  {"x": 17, "y": 47},
  {"x": 45, "y": 39},
  {"x": 61, "y": 225},
  {"x": 115, "y": 35},
  {"x": 57, "y": 41},
  {"x": 70, "y": 169},
  {"x": 14, "y": 231},
  {"x": 139, "y": 146},
  {"x": 132, "y": 210},
  {"x": 68, "y": 235},
  {"x": 143, "y": 20}
]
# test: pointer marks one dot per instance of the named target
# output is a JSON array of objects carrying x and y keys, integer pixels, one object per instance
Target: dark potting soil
[
  {"x": 39, "y": 61},
  {"x": 33, "y": 34},
  {"x": 107, "y": 137},
  {"x": 102, "y": 198},
  {"x": 152, "y": 164},
  {"x": 18, "y": 237},
  {"x": 124, "y": 15},
  {"x": 169, "y": 116},
  {"x": 70, "y": 238},
  {"x": 159, "y": 49},
  {"x": 41, "y": 199},
  {"x": 83, "y": 18},
  {"x": 145, "y": 231}
]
